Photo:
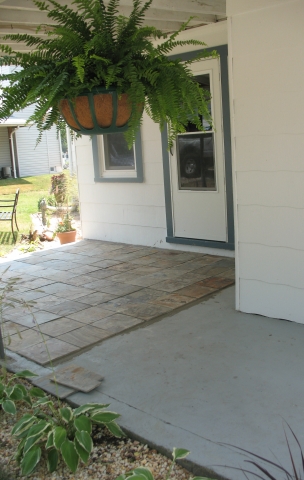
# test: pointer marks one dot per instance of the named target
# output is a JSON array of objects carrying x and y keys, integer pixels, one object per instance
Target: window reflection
[
  {"x": 196, "y": 161},
  {"x": 118, "y": 156}
]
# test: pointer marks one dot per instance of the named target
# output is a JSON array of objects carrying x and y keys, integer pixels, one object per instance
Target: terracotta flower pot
[
  {"x": 66, "y": 237},
  {"x": 100, "y": 111}
]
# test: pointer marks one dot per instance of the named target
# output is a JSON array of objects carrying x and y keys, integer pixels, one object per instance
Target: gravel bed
[{"x": 110, "y": 457}]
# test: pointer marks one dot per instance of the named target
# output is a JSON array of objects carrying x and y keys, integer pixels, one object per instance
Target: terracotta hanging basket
[{"x": 97, "y": 112}]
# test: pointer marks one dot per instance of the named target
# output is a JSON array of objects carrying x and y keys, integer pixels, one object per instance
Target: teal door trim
[{"x": 229, "y": 245}]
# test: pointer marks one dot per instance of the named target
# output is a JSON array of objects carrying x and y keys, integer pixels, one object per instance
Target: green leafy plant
[
  {"x": 65, "y": 225},
  {"x": 49, "y": 200},
  {"x": 64, "y": 432},
  {"x": 143, "y": 473},
  {"x": 93, "y": 46},
  {"x": 10, "y": 394},
  {"x": 59, "y": 187}
]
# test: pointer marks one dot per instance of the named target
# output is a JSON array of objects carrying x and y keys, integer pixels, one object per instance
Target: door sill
[{"x": 200, "y": 243}]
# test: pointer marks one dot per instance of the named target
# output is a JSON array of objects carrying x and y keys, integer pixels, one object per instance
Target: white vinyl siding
[
  {"x": 5, "y": 154},
  {"x": 267, "y": 73},
  {"x": 37, "y": 160}
]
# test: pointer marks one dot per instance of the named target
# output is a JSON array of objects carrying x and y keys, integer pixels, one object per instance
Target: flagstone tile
[
  {"x": 119, "y": 289},
  {"x": 53, "y": 349},
  {"x": 11, "y": 328},
  {"x": 53, "y": 288},
  {"x": 171, "y": 285},
  {"x": 195, "y": 290},
  {"x": 39, "y": 317},
  {"x": 75, "y": 292},
  {"x": 229, "y": 274},
  {"x": 117, "y": 323},
  {"x": 66, "y": 307},
  {"x": 212, "y": 270},
  {"x": 62, "y": 277},
  {"x": 91, "y": 314},
  {"x": 143, "y": 296},
  {"x": 173, "y": 300},
  {"x": 50, "y": 387},
  {"x": 117, "y": 305},
  {"x": 217, "y": 282},
  {"x": 24, "y": 340},
  {"x": 106, "y": 263},
  {"x": 46, "y": 272},
  {"x": 123, "y": 267},
  {"x": 84, "y": 336},
  {"x": 79, "y": 280},
  {"x": 34, "y": 283},
  {"x": 103, "y": 273},
  {"x": 32, "y": 295},
  {"x": 82, "y": 269},
  {"x": 44, "y": 302},
  {"x": 145, "y": 311},
  {"x": 126, "y": 277},
  {"x": 98, "y": 284},
  {"x": 146, "y": 270},
  {"x": 227, "y": 262},
  {"x": 60, "y": 326},
  {"x": 96, "y": 298}
]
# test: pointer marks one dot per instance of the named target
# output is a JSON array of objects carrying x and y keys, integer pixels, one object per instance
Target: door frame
[{"x": 229, "y": 245}]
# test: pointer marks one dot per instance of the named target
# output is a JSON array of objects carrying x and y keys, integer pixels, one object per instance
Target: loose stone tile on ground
[{"x": 76, "y": 377}]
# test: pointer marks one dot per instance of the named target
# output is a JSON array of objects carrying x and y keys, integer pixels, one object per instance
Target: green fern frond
[{"x": 91, "y": 45}]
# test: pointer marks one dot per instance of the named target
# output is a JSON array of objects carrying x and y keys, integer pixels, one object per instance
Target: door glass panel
[
  {"x": 196, "y": 161},
  {"x": 195, "y": 152}
]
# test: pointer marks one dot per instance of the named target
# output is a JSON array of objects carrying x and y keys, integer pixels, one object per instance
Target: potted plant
[
  {"x": 64, "y": 231},
  {"x": 99, "y": 70}
]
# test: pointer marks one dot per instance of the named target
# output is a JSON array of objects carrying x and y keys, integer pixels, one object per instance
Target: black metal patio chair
[{"x": 8, "y": 210}]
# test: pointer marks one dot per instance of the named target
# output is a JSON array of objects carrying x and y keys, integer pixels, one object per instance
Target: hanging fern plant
[{"x": 91, "y": 48}]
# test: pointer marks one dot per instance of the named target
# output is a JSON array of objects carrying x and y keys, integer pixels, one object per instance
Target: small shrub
[
  {"x": 10, "y": 394},
  {"x": 143, "y": 473},
  {"x": 64, "y": 432}
]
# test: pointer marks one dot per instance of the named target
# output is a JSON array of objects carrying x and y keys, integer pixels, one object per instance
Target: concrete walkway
[{"x": 202, "y": 375}]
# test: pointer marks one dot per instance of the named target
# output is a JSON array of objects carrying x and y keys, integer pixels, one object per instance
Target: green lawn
[{"x": 31, "y": 190}]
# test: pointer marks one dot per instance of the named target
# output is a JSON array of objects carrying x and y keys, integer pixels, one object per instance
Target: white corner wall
[
  {"x": 124, "y": 212},
  {"x": 266, "y": 44}
]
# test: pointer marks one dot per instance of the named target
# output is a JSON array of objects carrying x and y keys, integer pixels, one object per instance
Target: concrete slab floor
[{"x": 203, "y": 375}]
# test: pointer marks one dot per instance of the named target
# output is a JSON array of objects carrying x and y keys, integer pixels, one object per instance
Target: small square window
[{"x": 114, "y": 161}]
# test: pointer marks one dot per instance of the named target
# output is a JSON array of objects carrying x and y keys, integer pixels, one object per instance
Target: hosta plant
[
  {"x": 52, "y": 432},
  {"x": 11, "y": 394},
  {"x": 142, "y": 473},
  {"x": 91, "y": 46}
]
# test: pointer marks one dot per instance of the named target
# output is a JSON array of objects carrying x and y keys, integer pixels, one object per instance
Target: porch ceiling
[{"x": 21, "y": 16}]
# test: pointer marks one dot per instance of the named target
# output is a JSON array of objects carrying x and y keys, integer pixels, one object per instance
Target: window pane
[
  {"x": 196, "y": 161},
  {"x": 204, "y": 81},
  {"x": 117, "y": 154}
]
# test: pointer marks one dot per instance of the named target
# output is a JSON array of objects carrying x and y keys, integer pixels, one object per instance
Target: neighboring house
[
  {"x": 18, "y": 148},
  {"x": 247, "y": 197}
]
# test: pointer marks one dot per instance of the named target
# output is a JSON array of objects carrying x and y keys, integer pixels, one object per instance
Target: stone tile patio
[{"x": 84, "y": 293}]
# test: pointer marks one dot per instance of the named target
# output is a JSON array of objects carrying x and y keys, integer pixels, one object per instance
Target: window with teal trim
[{"x": 114, "y": 161}]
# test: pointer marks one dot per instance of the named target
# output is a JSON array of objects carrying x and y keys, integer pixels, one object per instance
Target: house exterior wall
[
  {"x": 5, "y": 154},
  {"x": 266, "y": 43},
  {"x": 135, "y": 212}
]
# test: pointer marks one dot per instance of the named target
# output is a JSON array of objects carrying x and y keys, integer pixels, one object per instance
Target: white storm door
[{"x": 198, "y": 170}]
